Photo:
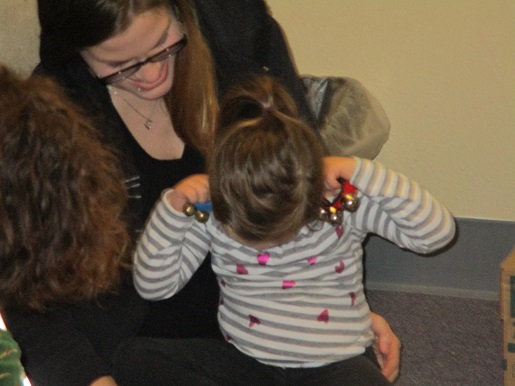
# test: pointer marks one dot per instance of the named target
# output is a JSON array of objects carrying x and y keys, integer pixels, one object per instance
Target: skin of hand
[
  {"x": 334, "y": 168},
  {"x": 387, "y": 347},
  {"x": 104, "y": 381},
  {"x": 192, "y": 189}
]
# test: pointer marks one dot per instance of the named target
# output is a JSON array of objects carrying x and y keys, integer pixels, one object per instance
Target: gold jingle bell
[
  {"x": 336, "y": 217},
  {"x": 189, "y": 210},
  {"x": 350, "y": 202},
  {"x": 201, "y": 216},
  {"x": 324, "y": 214}
]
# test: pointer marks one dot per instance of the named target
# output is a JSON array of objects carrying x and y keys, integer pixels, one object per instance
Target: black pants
[{"x": 199, "y": 362}]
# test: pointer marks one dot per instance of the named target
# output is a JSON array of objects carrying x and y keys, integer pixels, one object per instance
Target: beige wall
[
  {"x": 444, "y": 71},
  {"x": 19, "y": 34}
]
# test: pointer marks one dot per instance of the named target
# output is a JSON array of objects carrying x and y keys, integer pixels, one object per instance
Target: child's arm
[
  {"x": 399, "y": 209},
  {"x": 392, "y": 206},
  {"x": 172, "y": 245}
]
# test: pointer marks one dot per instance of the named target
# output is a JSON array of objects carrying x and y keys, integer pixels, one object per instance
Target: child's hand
[
  {"x": 334, "y": 168},
  {"x": 190, "y": 190}
]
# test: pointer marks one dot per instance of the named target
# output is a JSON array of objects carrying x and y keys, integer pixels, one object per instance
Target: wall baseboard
[
  {"x": 438, "y": 291},
  {"x": 468, "y": 268}
]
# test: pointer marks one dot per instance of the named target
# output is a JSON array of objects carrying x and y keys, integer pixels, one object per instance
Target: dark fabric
[
  {"x": 74, "y": 345},
  {"x": 247, "y": 40},
  {"x": 162, "y": 174},
  {"x": 201, "y": 362}
]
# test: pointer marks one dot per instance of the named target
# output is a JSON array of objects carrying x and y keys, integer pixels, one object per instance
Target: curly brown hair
[
  {"x": 265, "y": 171},
  {"x": 63, "y": 238}
]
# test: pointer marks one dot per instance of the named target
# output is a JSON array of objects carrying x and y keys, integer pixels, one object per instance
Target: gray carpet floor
[{"x": 447, "y": 341}]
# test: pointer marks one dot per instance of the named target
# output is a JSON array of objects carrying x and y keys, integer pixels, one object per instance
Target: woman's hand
[
  {"x": 387, "y": 347},
  {"x": 191, "y": 190}
]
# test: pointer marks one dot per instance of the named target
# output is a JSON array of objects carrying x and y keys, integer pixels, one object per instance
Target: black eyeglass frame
[{"x": 164, "y": 54}]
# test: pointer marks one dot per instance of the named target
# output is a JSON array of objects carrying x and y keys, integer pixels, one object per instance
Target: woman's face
[{"x": 149, "y": 33}]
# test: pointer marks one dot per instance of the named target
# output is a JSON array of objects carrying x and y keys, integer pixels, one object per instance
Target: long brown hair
[
  {"x": 265, "y": 173},
  {"x": 62, "y": 233},
  {"x": 192, "y": 101}
]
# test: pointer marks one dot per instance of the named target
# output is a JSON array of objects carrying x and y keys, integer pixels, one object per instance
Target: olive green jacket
[{"x": 11, "y": 370}]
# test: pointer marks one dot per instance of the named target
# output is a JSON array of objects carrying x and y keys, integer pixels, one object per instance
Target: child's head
[
  {"x": 265, "y": 175},
  {"x": 62, "y": 197}
]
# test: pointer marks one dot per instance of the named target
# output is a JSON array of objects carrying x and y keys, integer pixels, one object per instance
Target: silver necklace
[{"x": 148, "y": 120}]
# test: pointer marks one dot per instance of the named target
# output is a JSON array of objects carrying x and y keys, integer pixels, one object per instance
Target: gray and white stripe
[{"x": 306, "y": 305}]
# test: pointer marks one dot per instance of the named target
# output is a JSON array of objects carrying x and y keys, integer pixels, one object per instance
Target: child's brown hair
[
  {"x": 265, "y": 171},
  {"x": 62, "y": 233}
]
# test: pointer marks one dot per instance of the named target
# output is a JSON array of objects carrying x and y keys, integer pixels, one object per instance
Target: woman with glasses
[{"x": 148, "y": 73}]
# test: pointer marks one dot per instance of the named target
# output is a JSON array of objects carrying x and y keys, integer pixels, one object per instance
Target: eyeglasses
[{"x": 127, "y": 72}]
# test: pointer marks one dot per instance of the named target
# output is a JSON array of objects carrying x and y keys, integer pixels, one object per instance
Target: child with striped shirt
[{"x": 288, "y": 261}]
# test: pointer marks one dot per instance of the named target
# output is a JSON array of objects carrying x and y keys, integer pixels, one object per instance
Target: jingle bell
[
  {"x": 201, "y": 216},
  {"x": 189, "y": 210},
  {"x": 350, "y": 202},
  {"x": 323, "y": 215},
  {"x": 336, "y": 217}
]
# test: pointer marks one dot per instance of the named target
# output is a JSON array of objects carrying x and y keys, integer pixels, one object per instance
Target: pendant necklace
[{"x": 148, "y": 120}]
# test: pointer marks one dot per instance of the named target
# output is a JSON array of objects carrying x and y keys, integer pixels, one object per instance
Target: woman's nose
[{"x": 149, "y": 73}]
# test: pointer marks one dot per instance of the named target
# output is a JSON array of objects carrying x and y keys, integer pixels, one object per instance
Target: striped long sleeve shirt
[{"x": 299, "y": 304}]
